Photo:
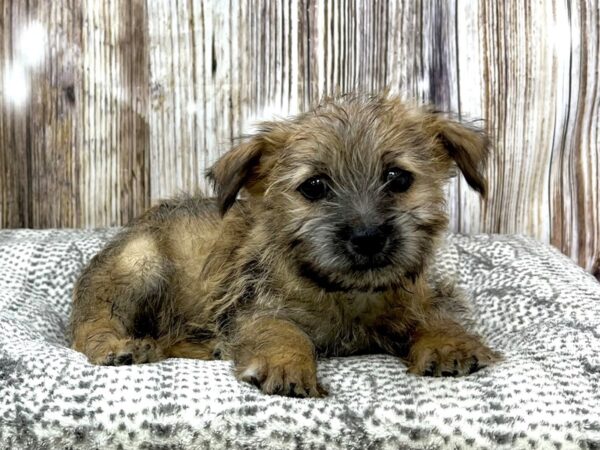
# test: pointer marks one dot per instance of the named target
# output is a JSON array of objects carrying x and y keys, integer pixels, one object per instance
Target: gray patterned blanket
[{"x": 532, "y": 303}]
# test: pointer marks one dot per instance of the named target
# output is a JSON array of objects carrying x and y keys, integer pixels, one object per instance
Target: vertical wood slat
[
  {"x": 135, "y": 99},
  {"x": 575, "y": 185},
  {"x": 113, "y": 147},
  {"x": 53, "y": 117},
  {"x": 13, "y": 160},
  {"x": 74, "y": 153},
  {"x": 37, "y": 137}
]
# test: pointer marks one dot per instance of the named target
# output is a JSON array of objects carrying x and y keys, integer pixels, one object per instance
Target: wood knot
[{"x": 69, "y": 92}]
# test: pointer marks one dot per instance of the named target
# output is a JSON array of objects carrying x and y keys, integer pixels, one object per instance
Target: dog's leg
[
  {"x": 428, "y": 336},
  {"x": 439, "y": 344},
  {"x": 105, "y": 341},
  {"x": 110, "y": 295},
  {"x": 277, "y": 356}
]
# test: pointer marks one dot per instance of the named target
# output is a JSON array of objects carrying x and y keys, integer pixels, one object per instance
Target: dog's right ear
[{"x": 244, "y": 165}]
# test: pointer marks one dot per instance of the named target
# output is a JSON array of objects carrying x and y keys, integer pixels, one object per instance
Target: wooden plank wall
[{"x": 129, "y": 101}]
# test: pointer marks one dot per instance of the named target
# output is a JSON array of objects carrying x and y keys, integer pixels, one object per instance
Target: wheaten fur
[{"x": 272, "y": 279}]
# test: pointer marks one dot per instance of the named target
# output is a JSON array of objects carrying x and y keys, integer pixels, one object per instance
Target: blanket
[{"x": 530, "y": 302}]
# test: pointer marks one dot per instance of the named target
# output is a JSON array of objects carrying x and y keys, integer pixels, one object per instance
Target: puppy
[{"x": 325, "y": 253}]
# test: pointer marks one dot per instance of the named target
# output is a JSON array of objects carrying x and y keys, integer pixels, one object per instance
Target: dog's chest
[
  {"x": 361, "y": 307},
  {"x": 346, "y": 324}
]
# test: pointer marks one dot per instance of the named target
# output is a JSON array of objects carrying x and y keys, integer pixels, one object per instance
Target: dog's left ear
[
  {"x": 244, "y": 166},
  {"x": 468, "y": 146}
]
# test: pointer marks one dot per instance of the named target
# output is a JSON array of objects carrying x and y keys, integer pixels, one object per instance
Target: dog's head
[{"x": 353, "y": 190}]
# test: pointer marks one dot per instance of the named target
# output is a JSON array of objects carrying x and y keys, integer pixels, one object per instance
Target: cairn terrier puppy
[{"x": 324, "y": 253}]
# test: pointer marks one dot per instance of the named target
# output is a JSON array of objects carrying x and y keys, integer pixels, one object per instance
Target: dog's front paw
[
  {"x": 122, "y": 352},
  {"x": 281, "y": 376},
  {"x": 437, "y": 355}
]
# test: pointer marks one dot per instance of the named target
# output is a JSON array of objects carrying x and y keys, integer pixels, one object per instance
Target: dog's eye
[
  {"x": 314, "y": 188},
  {"x": 397, "y": 180}
]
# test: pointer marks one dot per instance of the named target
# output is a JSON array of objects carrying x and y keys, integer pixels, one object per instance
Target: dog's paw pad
[
  {"x": 142, "y": 351},
  {"x": 124, "y": 352},
  {"x": 450, "y": 357},
  {"x": 124, "y": 359},
  {"x": 291, "y": 379}
]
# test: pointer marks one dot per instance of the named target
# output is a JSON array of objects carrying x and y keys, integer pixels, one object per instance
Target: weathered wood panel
[
  {"x": 114, "y": 145},
  {"x": 131, "y": 101},
  {"x": 74, "y": 130}
]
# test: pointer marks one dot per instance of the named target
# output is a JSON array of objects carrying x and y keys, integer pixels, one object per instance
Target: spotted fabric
[{"x": 531, "y": 303}]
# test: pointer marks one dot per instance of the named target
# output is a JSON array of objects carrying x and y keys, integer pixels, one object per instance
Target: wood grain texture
[{"x": 133, "y": 100}]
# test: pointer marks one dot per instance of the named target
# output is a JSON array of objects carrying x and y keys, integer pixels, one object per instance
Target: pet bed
[{"x": 531, "y": 303}]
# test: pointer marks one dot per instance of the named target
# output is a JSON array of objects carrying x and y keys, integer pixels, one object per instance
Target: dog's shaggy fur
[{"x": 325, "y": 253}]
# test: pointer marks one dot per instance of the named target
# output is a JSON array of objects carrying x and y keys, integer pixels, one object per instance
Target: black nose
[{"x": 368, "y": 241}]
